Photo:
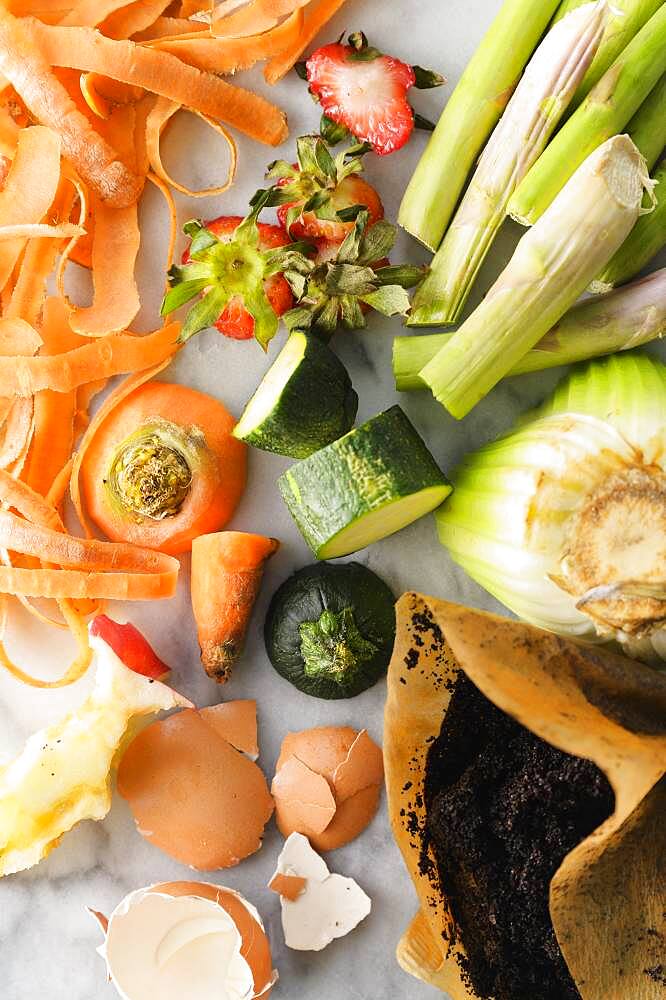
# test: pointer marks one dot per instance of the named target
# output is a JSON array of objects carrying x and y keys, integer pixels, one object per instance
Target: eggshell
[
  {"x": 235, "y": 722},
  {"x": 332, "y": 751},
  {"x": 289, "y": 886},
  {"x": 304, "y": 796},
  {"x": 363, "y": 767},
  {"x": 158, "y": 942},
  {"x": 329, "y": 906},
  {"x": 255, "y": 948},
  {"x": 193, "y": 795}
]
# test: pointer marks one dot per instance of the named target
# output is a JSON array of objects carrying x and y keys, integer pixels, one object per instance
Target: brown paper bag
[{"x": 584, "y": 700}]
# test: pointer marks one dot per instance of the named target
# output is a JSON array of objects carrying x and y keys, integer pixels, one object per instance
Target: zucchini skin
[
  {"x": 318, "y": 404},
  {"x": 330, "y": 587},
  {"x": 382, "y": 461}
]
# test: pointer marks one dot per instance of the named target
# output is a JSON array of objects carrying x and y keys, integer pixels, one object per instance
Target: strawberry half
[
  {"x": 235, "y": 321},
  {"x": 365, "y": 91},
  {"x": 235, "y": 268}
]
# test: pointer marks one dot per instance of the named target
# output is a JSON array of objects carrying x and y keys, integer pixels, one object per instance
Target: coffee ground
[{"x": 503, "y": 810}]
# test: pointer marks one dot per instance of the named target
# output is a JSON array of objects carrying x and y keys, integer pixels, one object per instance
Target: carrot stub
[
  {"x": 227, "y": 570},
  {"x": 162, "y": 468}
]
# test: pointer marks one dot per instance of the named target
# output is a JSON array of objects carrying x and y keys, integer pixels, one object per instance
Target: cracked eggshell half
[
  {"x": 328, "y": 907},
  {"x": 351, "y": 764},
  {"x": 193, "y": 794},
  {"x": 187, "y": 939}
]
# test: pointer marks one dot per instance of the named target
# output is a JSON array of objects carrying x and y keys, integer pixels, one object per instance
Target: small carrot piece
[
  {"x": 227, "y": 570},
  {"x": 163, "y": 74},
  {"x": 30, "y": 73},
  {"x": 316, "y": 17}
]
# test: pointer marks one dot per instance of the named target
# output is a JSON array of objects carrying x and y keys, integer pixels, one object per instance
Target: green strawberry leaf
[
  {"x": 426, "y": 79},
  {"x": 348, "y": 279},
  {"x": 424, "y": 124},
  {"x": 332, "y": 132},
  {"x": 301, "y": 70},
  {"x": 405, "y": 275},
  {"x": 390, "y": 300},
  {"x": 351, "y": 245},
  {"x": 205, "y": 313},
  {"x": 265, "y": 321},
  {"x": 180, "y": 294},
  {"x": 352, "y": 314},
  {"x": 377, "y": 242}
]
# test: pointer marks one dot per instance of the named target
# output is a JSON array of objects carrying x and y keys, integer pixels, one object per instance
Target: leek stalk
[
  {"x": 605, "y": 111},
  {"x": 541, "y": 98},
  {"x": 626, "y": 318},
  {"x": 648, "y": 126},
  {"x": 562, "y": 519},
  {"x": 644, "y": 242},
  {"x": 552, "y": 266},
  {"x": 469, "y": 117},
  {"x": 627, "y": 17}
]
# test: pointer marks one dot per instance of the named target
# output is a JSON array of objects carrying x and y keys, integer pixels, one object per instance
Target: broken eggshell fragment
[
  {"x": 186, "y": 939},
  {"x": 327, "y": 907},
  {"x": 194, "y": 795},
  {"x": 324, "y": 767}
]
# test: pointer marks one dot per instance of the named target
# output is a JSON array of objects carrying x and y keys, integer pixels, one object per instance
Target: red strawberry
[
  {"x": 235, "y": 321},
  {"x": 366, "y": 92},
  {"x": 350, "y": 191}
]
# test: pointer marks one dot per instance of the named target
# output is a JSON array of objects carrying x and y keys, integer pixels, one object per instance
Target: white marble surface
[{"x": 47, "y": 940}]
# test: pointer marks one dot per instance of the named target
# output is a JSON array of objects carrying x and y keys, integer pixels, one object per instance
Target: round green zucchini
[
  {"x": 305, "y": 401},
  {"x": 368, "y": 484},
  {"x": 330, "y": 629}
]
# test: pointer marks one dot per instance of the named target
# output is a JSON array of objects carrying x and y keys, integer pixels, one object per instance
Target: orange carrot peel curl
[
  {"x": 30, "y": 73},
  {"x": 104, "y": 357},
  {"x": 227, "y": 570},
  {"x": 161, "y": 73}
]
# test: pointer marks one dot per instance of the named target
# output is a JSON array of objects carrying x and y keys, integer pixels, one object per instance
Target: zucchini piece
[
  {"x": 372, "y": 482},
  {"x": 304, "y": 402},
  {"x": 330, "y": 629}
]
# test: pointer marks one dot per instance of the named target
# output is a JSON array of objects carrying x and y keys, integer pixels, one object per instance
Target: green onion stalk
[
  {"x": 562, "y": 519},
  {"x": 469, "y": 117},
  {"x": 551, "y": 267},
  {"x": 604, "y": 324},
  {"x": 541, "y": 98},
  {"x": 644, "y": 242},
  {"x": 605, "y": 112},
  {"x": 626, "y": 19}
]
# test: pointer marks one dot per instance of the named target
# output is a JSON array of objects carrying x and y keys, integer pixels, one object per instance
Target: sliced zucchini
[
  {"x": 372, "y": 482},
  {"x": 304, "y": 401}
]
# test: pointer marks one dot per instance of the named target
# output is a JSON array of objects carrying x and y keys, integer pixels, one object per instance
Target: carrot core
[{"x": 150, "y": 474}]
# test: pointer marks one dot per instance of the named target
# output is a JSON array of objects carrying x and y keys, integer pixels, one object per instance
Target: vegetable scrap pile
[{"x": 87, "y": 92}]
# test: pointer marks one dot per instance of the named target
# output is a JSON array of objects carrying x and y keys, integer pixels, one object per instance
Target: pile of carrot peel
[{"x": 86, "y": 92}]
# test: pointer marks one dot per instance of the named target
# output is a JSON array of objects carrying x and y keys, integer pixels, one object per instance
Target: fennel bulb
[{"x": 563, "y": 519}]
